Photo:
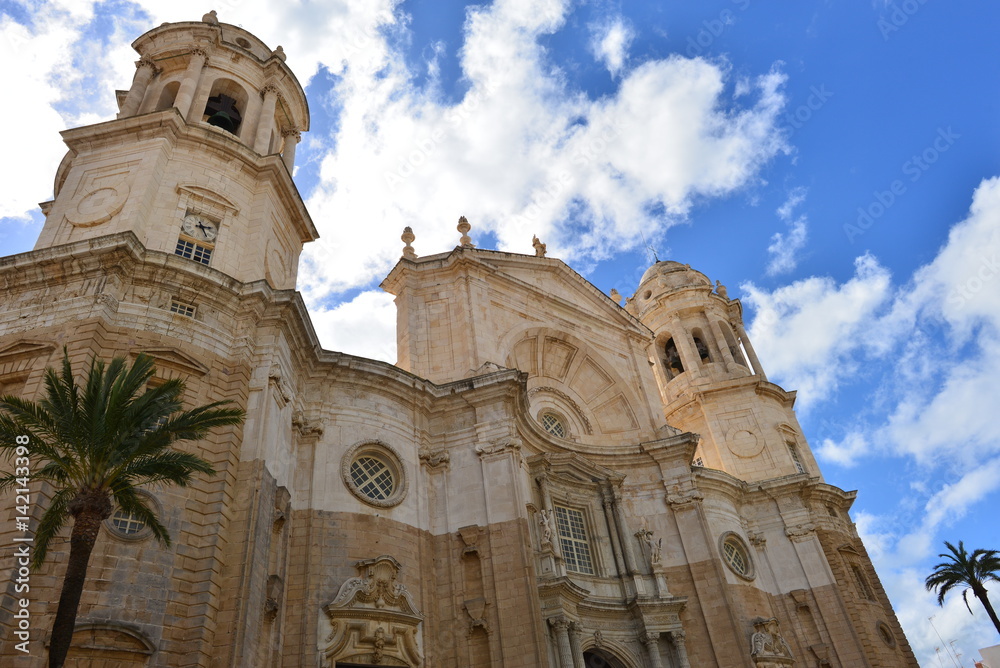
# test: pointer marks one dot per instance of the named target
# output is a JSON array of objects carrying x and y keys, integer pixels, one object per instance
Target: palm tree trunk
[
  {"x": 86, "y": 526},
  {"x": 985, "y": 600}
]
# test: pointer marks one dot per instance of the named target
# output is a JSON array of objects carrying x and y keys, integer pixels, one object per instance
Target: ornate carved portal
[
  {"x": 767, "y": 648},
  {"x": 374, "y": 620}
]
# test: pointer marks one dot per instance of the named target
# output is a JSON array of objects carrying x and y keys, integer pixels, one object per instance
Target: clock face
[{"x": 199, "y": 227}]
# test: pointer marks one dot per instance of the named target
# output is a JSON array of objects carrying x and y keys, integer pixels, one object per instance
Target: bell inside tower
[
  {"x": 673, "y": 359},
  {"x": 222, "y": 112}
]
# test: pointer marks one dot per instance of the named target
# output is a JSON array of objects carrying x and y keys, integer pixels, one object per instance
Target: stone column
[
  {"x": 292, "y": 138},
  {"x": 727, "y": 354},
  {"x": 651, "y": 641},
  {"x": 754, "y": 362},
  {"x": 630, "y": 564},
  {"x": 685, "y": 347},
  {"x": 143, "y": 74},
  {"x": 189, "y": 84},
  {"x": 607, "y": 501},
  {"x": 266, "y": 121},
  {"x": 575, "y": 645},
  {"x": 561, "y": 626},
  {"x": 682, "y": 655}
]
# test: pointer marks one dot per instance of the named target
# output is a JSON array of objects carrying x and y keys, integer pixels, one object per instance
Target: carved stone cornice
[
  {"x": 499, "y": 446},
  {"x": 307, "y": 426},
  {"x": 684, "y": 499},
  {"x": 800, "y": 532},
  {"x": 436, "y": 459}
]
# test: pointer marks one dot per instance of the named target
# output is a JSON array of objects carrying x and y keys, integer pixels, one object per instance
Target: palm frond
[
  {"x": 130, "y": 502},
  {"x": 52, "y": 521}
]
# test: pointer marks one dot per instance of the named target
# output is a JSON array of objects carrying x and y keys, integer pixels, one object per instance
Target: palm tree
[
  {"x": 969, "y": 571},
  {"x": 96, "y": 445}
]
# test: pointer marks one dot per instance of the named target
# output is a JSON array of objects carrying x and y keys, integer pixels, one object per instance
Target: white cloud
[
  {"x": 364, "y": 326},
  {"x": 845, "y": 452},
  {"x": 808, "y": 333},
  {"x": 48, "y": 46},
  {"x": 523, "y": 154},
  {"x": 784, "y": 247},
  {"x": 610, "y": 41}
]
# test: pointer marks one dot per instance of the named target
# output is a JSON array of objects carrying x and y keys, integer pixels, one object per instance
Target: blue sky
[{"x": 835, "y": 164}]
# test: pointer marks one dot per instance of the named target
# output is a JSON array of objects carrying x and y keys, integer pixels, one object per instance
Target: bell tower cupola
[
  {"x": 711, "y": 381},
  {"x": 199, "y": 160}
]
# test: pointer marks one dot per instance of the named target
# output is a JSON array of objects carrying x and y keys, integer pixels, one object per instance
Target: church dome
[{"x": 667, "y": 276}]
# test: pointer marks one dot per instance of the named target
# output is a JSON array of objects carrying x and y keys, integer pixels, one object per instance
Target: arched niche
[
  {"x": 108, "y": 644},
  {"x": 167, "y": 95}
]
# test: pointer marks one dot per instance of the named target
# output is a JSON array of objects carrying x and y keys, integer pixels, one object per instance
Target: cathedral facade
[{"x": 548, "y": 477}]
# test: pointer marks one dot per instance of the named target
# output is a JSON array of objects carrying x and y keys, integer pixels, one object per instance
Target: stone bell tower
[
  {"x": 199, "y": 160},
  {"x": 711, "y": 381}
]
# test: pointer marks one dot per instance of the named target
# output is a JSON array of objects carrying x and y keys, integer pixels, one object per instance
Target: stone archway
[{"x": 598, "y": 658}]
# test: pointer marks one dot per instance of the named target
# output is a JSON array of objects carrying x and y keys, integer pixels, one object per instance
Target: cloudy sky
[{"x": 836, "y": 164}]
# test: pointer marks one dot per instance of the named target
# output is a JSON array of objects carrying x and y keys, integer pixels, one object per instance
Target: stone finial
[
  {"x": 211, "y": 17},
  {"x": 539, "y": 247},
  {"x": 615, "y": 295},
  {"x": 464, "y": 227},
  {"x": 720, "y": 290},
  {"x": 279, "y": 53},
  {"x": 407, "y": 238}
]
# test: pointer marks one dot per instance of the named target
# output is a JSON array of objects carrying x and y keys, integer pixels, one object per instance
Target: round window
[
  {"x": 373, "y": 473},
  {"x": 552, "y": 424},
  {"x": 372, "y": 477},
  {"x": 130, "y": 526},
  {"x": 736, "y": 555},
  {"x": 885, "y": 633}
]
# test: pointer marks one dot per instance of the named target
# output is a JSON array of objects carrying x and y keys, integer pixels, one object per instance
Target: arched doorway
[{"x": 596, "y": 658}]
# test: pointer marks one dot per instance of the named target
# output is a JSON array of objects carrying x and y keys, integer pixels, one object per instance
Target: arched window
[{"x": 553, "y": 424}]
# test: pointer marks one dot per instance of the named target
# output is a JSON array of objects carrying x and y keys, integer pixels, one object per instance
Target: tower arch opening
[
  {"x": 672, "y": 359},
  {"x": 734, "y": 348},
  {"x": 227, "y": 102},
  {"x": 701, "y": 345}
]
